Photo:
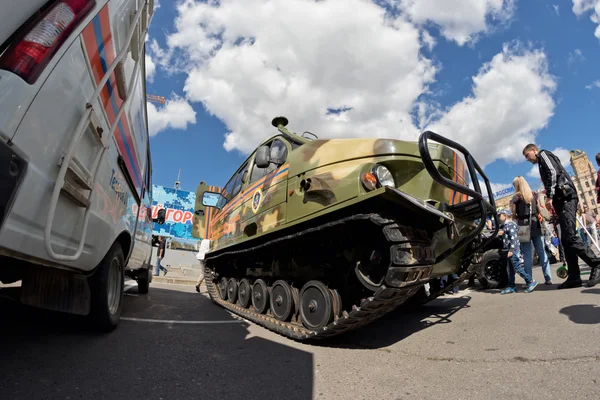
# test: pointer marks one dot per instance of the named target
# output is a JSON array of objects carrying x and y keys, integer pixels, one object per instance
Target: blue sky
[{"x": 492, "y": 80}]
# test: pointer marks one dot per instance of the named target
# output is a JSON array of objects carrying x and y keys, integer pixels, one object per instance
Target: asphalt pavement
[{"x": 174, "y": 343}]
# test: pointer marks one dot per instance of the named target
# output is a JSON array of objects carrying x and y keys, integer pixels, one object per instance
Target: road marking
[{"x": 169, "y": 321}]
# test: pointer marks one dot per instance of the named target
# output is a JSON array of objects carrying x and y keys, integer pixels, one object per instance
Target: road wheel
[
  {"x": 316, "y": 305},
  {"x": 106, "y": 288},
  {"x": 282, "y": 300},
  {"x": 492, "y": 272},
  {"x": 143, "y": 281}
]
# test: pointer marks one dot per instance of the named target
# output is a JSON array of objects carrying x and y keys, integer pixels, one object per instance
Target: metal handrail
[
  {"x": 476, "y": 194},
  {"x": 80, "y": 129}
]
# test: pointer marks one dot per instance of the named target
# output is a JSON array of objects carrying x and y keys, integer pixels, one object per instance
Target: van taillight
[{"x": 33, "y": 49}]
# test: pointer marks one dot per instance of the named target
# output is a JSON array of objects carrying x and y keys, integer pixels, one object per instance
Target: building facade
[{"x": 584, "y": 180}]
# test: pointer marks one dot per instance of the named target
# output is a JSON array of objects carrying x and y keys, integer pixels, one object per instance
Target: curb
[{"x": 176, "y": 281}]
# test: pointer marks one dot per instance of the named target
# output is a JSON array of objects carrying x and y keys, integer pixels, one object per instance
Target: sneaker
[
  {"x": 548, "y": 282},
  {"x": 570, "y": 283},
  {"x": 508, "y": 290},
  {"x": 531, "y": 286}
]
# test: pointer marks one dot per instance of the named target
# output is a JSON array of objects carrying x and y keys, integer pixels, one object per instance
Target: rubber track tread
[{"x": 383, "y": 300}]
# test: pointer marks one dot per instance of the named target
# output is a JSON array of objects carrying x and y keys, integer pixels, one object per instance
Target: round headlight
[{"x": 384, "y": 176}]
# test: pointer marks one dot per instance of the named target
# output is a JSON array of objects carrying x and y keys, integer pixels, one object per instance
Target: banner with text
[
  {"x": 179, "y": 209},
  {"x": 503, "y": 192}
]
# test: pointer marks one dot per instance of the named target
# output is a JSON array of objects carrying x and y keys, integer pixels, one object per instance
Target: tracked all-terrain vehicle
[{"x": 312, "y": 238}]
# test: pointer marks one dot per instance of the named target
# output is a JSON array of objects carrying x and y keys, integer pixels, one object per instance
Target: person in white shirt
[{"x": 204, "y": 247}]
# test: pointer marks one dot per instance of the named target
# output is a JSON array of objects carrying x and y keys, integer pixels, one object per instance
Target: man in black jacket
[{"x": 562, "y": 195}]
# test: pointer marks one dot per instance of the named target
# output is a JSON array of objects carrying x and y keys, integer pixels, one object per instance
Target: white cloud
[
  {"x": 581, "y": 7},
  {"x": 555, "y": 6},
  {"x": 427, "y": 39},
  {"x": 510, "y": 103},
  {"x": 177, "y": 113},
  {"x": 268, "y": 64},
  {"x": 459, "y": 20},
  {"x": 150, "y": 68},
  {"x": 575, "y": 56},
  {"x": 246, "y": 68},
  {"x": 560, "y": 152},
  {"x": 593, "y": 85}
]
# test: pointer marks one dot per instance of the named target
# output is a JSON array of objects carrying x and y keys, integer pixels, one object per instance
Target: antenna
[{"x": 177, "y": 182}]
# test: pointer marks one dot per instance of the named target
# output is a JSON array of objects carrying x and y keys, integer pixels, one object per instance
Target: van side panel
[
  {"x": 102, "y": 52},
  {"x": 45, "y": 132},
  {"x": 43, "y": 136},
  {"x": 104, "y": 39}
]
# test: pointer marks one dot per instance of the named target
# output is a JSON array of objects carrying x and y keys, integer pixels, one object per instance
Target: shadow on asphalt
[
  {"x": 51, "y": 355},
  {"x": 591, "y": 291},
  {"x": 399, "y": 324},
  {"x": 582, "y": 313}
]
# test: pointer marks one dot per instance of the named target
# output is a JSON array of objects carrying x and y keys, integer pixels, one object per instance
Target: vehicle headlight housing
[
  {"x": 379, "y": 176},
  {"x": 384, "y": 176}
]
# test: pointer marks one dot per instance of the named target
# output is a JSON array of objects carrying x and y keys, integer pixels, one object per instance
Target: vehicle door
[
  {"x": 225, "y": 227},
  {"x": 264, "y": 199},
  {"x": 205, "y": 209}
]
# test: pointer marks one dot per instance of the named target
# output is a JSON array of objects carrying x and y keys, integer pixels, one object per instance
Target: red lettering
[
  {"x": 169, "y": 213},
  {"x": 155, "y": 210},
  {"x": 178, "y": 216},
  {"x": 187, "y": 217}
]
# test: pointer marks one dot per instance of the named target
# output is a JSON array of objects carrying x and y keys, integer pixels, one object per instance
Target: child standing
[{"x": 511, "y": 243}]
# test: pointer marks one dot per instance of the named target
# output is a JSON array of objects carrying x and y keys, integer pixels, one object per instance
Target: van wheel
[
  {"x": 143, "y": 281},
  {"x": 106, "y": 287}
]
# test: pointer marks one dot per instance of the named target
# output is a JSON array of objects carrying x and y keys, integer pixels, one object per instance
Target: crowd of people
[{"x": 530, "y": 223}]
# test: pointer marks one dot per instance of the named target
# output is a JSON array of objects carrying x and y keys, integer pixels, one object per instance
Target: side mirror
[
  {"x": 262, "y": 157},
  {"x": 211, "y": 199},
  {"x": 160, "y": 218}
]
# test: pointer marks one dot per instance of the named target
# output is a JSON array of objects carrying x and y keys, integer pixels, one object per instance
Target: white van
[{"x": 75, "y": 165}]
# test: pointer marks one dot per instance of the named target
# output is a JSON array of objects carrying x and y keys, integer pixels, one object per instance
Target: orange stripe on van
[
  {"x": 98, "y": 42},
  {"x": 89, "y": 40}
]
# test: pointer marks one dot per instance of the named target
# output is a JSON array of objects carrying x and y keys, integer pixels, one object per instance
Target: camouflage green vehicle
[{"x": 312, "y": 238}]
